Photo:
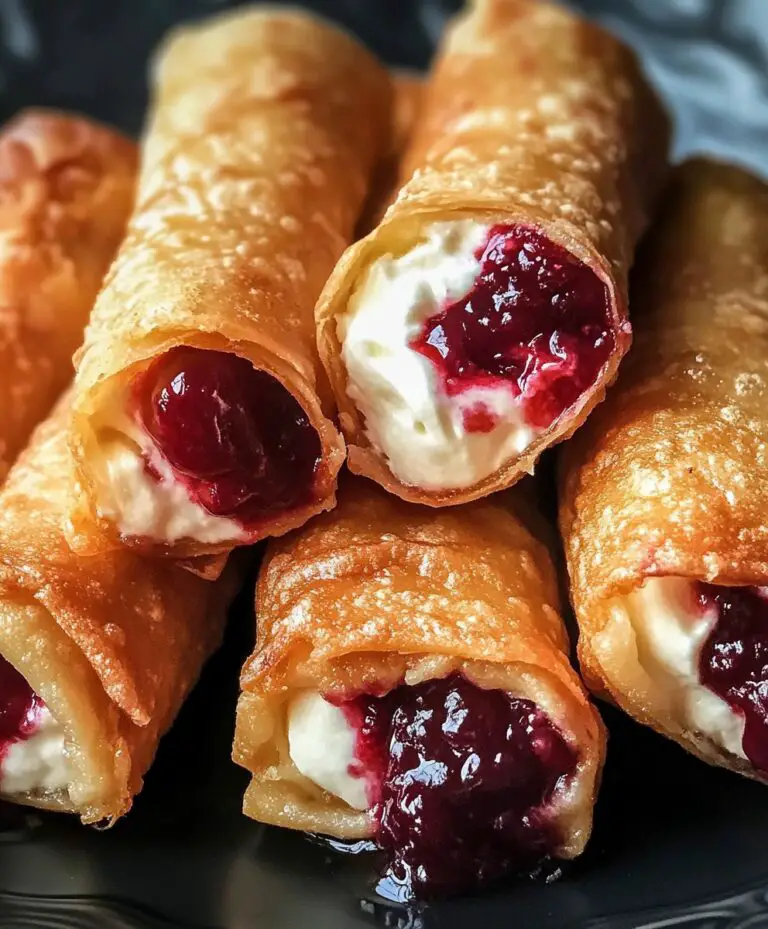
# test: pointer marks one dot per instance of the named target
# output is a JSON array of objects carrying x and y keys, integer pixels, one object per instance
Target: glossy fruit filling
[
  {"x": 536, "y": 322},
  {"x": 733, "y": 661},
  {"x": 459, "y": 779},
  {"x": 19, "y": 708},
  {"x": 234, "y": 436}
]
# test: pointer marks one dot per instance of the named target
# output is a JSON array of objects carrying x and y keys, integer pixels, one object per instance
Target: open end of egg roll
[
  {"x": 202, "y": 417},
  {"x": 483, "y": 318},
  {"x": 663, "y": 495},
  {"x": 690, "y": 659},
  {"x": 51, "y": 754},
  {"x": 96, "y": 653},
  {"x": 394, "y": 640}
]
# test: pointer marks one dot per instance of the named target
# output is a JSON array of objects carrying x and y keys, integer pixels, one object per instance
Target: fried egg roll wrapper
[
  {"x": 264, "y": 134},
  {"x": 66, "y": 189},
  {"x": 112, "y": 643},
  {"x": 669, "y": 477},
  {"x": 408, "y": 89},
  {"x": 381, "y": 592},
  {"x": 532, "y": 117}
]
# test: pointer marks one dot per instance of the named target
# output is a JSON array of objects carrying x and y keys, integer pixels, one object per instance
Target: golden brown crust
[
  {"x": 669, "y": 477},
  {"x": 66, "y": 189},
  {"x": 408, "y": 89},
  {"x": 380, "y": 591},
  {"x": 535, "y": 117},
  {"x": 112, "y": 643},
  {"x": 265, "y": 131}
]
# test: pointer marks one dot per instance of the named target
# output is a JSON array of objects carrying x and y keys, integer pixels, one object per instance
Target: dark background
[{"x": 710, "y": 57}]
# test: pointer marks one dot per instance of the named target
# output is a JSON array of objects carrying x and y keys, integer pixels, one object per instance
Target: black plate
[{"x": 675, "y": 843}]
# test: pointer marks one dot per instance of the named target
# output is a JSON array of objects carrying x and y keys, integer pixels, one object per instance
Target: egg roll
[
  {"x": 408, "y": 94},
  {"x": 393, "y": 639},
  {"x": 483, "y": 318},
  {"x": 665, "y": 491},
  {"x": 96, "y": 653},
  {"x": 66, "y": 189},
  {"x": 202, "y": 419},
  {"x": 408, "y": 91}
]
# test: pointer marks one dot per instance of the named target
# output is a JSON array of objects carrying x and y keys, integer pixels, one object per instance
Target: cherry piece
[
  {"x": 19, "y": 708},
  {"x": 536, "y": 322},
  {"x": 234, "y": 436},
  {"x": 733, "y": 661},
  {"x": 458, "y": 779}
]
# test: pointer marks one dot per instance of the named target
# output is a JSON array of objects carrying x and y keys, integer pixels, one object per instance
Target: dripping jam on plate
[
  {"x": 234, "y": 436},
  {"x": 733, "y": 661},
  {"x": 459, "y": 779},
  {"x": 536, "y": 322}
]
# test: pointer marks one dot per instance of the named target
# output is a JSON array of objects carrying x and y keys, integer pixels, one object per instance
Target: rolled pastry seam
[
  {"x": 66, "y": 189},
  {"x": 96, "y": 654},
  {"x": 664, "y": 493},
  {"x": 483, "y": 318},
  {"x": 383, "y": 599},
  {"x": 408, "y": 95},
  {"x": 408, "y": 89},
  {"x": 202, "y": 418}
]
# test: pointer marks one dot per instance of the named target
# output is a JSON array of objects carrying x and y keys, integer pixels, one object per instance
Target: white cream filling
[
  {"x": 138, "y": 503},
  {"x": 671, "y": 630},
  {"x": 38, "y": 763},
  {"x": 322, "y": 746},
  {"x": 408, "y": 415}
]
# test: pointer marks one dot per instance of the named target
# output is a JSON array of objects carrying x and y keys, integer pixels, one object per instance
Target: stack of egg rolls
[
  {"x": 66, "y": 189},
  {"x": 96, "y": 653},
  {"x": 410, "y": 683},
  {"x": 382, "y": 599},
  {"x": 665, "y": 491},
  {"x": 202, "y": 419},
  {"x": 537, "y": 158}
]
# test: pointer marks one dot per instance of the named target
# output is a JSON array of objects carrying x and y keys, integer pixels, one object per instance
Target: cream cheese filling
[
  {"x": 322, "y": 746},
  {"x": 409, "y": 417},
  {"x": 37, "y": 763},
  {"x": 143, "y": 506},
  {"x": 671, "y": 629}
]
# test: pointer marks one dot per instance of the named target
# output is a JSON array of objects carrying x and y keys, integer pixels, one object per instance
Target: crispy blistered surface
[
  {"x": 670, "y": 474},
  {"x": 118, "y": 640},
  {"x": 380, "y": 591},
  {"x": 66, "y": 189},
  {"x": 532, "y": 116},
  {"x": 264, "y": 134}
]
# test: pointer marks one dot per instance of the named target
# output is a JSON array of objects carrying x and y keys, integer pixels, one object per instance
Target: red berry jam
[
  {"x": 459, "y": 779},
  {"x": 733, "y": 661},
  {"x": 536, "y": 322},
  {"x": 235, "y": 437},
  {"x": 19, "y": 708}
]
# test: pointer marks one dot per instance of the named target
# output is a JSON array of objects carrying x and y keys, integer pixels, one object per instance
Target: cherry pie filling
[
  {"x": 20, "y": 709},
  {"x": 733, "y": 661},
  {"x": 535, "y": 323},
  {"x": 235, "y": 438},
  {"x": 459, "y": 780}
]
